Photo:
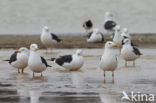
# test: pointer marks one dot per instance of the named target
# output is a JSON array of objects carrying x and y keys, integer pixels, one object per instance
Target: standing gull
[
  {"x": 36, "y": 63},
  {"x": 95, "y": 36},
  {"x": 70, "y": 62},
  {"x": 129, "y": 52},
  {"x": 117, "y": 37},
  {"x": 47, "y": 38},
  {"x": 109, "y": 60},
  {"x": 109, "y": 24},
  {"x": 19, "y": 59}
]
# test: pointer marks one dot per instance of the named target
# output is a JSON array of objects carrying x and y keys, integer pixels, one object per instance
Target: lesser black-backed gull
[
  {"x": 70, "y": 62},
  {"x": 109, "y": 60},
  {"x": 129, "y": 52},
  {"x": 36, "y": 63}
]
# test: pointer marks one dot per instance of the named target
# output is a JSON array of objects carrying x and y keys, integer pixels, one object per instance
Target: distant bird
[
  {"x": 109, "y": 24},
  {"x": 125, "y": 33},
  {"x": 36, "y": 62},
  {"x": 70, "y": 62},
  {"x": 117, "y": 37},
  {"x": 87, "y": 25},
  {"x": 95, "y": 36},
  {"x": 19, "y": 59},
  {"x": 129, "y": 52},
  {"x": 47, "y": 38},
  {"x": 109, "y": 59}
]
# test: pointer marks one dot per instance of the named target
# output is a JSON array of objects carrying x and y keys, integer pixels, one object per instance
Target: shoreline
[{"x": 75, "y": 41}]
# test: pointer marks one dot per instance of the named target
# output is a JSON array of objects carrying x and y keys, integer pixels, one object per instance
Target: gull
[
  {"x": 47, "y": 38},
  {"x": 36, "y": 62},
  {"x": 117, "y": 37},
  {"x": 70, "y": 62},
  {"x": 129, "y": 52},
  {"x": 109, "y": 24},
  {"x": 19, "y": 59},
  {"x": 125, "y": 33},
  {"x": 87, "y": 25},
  {"x": 95, "y": 36},
  {"x": 109, "y": 60}
]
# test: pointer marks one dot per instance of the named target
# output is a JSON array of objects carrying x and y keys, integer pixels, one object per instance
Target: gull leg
[
  {"x": 133, "y": 63},
  {"x": 104, "y": 77},
  {"x": 125, "y": 63},
  {"x": 112, "y": 75},
  {"x": 22, "y": 71},
  {"x": 18, "y": 71},
  {"x": 104, "y": 74},
  {"x": 33, "y": 74},
  {"x": 41, "y": 75}
]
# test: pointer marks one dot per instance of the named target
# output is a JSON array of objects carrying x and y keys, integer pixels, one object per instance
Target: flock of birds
[{"x": 23, "y": 57}]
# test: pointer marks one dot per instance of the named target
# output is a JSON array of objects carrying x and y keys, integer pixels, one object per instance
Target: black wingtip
[
  {"x": 59, "y": 40},
  {"x": 49, "y": 66}
]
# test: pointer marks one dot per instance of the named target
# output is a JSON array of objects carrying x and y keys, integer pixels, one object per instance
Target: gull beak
[
  {"x": 115, "y": 45},
  {"x": 17, "y": 51},
  {"x": 47, "y": 30},
  {"x": 36, "y": 49},
  {"x": 118, "y": 30}
]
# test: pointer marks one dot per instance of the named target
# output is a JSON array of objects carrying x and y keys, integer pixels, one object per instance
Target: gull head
[
  {"x": 45, "y": 28},
  {"x": 79, "y": 52},
  {"x": 23, "y": 50},
  {"x": 96, "y": 30},
  {"x": 126, "y": 42},
  {"x": 34, "y": 47},
  {"x": 110, "y": 44},
  {"x": 117, "y": 28},
  {"x": 108, "y": 15},
  {"x": 125, "y": 30}
]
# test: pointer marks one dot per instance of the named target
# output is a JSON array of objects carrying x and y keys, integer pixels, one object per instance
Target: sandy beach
[{"x": 69, "y": 41}]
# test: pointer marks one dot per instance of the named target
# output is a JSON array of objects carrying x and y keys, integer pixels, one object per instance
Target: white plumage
[
  {"x": 95, "y": 36},
  {"x": 70, "y": 62},
  {"x": 46, "y": 37},
  {"x": 108, "y": 17},
  {"x": 109, "y": 60},
  {"x": 117, "y": 37},
  {"x": 129, "y": 52},
  {"x": 35, "y": 62},
  {"x": 19, "y": 59},
  {"x": 125, "y": 34}
]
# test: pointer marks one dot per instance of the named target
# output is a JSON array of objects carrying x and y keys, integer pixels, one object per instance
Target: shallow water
[{"x": 86, "y": 85}]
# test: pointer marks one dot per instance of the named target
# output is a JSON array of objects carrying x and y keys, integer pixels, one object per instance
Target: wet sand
[
  {"x": 69, "y": 41},
  {"x": 84, "y": 86}
]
